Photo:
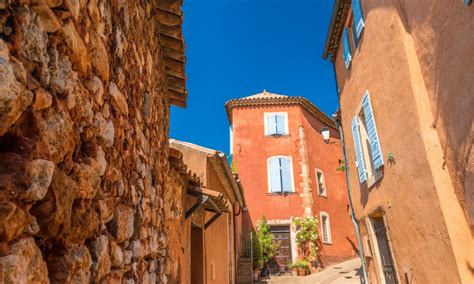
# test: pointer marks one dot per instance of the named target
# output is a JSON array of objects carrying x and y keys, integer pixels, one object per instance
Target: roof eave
[{"x": 331, "y": 28}]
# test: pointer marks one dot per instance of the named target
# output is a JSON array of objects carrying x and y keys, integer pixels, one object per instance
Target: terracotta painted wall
[
  {"x": 425, "y": 221},
  {"x": 325, "y": 157},
  {"x": 251, "y": 150}
]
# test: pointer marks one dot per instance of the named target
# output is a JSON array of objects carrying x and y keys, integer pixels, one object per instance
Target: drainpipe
[{"x": 337, "y": 119}]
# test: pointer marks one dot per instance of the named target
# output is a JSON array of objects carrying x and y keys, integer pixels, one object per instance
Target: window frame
[
  {"x": 269, "y": 181},
  {"x": 372, "y": 176},
  {"x": 265, "y": 121},
  {"x": 325, "y": 193},
  {"x": 328, "y": 220}
]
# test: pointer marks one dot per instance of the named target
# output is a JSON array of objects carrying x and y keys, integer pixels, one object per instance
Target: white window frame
[
  {"x": 265, "y": 120},
  {"x": 321, "y": 215},
  {"x": 269, "y": 181},
  {"x": 325, "y": 193}
]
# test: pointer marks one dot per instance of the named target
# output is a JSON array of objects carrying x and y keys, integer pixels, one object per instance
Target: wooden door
[{"x": 281, "y": 234}]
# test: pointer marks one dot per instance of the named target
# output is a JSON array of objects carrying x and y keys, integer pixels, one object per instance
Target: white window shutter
[
  {"x": 375, "y": 149},
  {"x": 358, "y": 150},
  {"x": 271, "y": 123},
  {"x": 275, "y": 178},
  {"x": 285, "y": 174},
  {"x": 280, "y": 124}
]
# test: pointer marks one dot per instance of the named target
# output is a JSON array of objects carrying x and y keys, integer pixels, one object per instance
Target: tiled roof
[
  {"x": 270, "y": 99},
  {"x": 170, "y": 18}
]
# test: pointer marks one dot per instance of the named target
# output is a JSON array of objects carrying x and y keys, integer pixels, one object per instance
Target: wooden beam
[
  {"x": 200, "y": 202},
  {"x": 214, "y": 218}
]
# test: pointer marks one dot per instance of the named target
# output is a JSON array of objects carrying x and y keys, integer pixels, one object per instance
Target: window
[
  {"x": 325, "y": 228},
  {"x": 358, "y": 25},
  {"x": 369, "y": 159},
  {"x": 320, "y": 183},
  {"x": 280, "y": 174},
  {"x": 346, "y": 48},
  {"x": 276, "y": 123}
]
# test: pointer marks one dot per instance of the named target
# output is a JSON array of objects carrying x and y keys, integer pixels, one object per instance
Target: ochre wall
[
  {"x": 425, "y": 222},
  {"x": 251, "y": 150},
  {"x": 218, "y": 238}
]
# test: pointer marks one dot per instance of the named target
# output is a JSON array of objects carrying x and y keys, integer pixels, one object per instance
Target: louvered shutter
[
  {"x": 375, "y": 150},
  {"x": 271, "y": 125},
  {"x": 275, "y": 181},
  {"x": 280, "y": 124},
  {"x": 358, "y": 18},
  {"x": 285, "y": 174},
  {"x": 358, "y": 150},
  {"x": 346, "y": 49}
]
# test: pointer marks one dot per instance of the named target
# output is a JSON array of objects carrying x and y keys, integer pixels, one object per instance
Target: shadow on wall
[{"x": 447, "y": 77}]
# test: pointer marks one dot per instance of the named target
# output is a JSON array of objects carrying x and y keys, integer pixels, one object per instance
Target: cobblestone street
[{"x": 343, "y": 273}]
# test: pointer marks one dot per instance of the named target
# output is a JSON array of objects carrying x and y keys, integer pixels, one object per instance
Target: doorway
[
  {"x": 386, "y": 264},
  {"x": 282, "y": 258},
  {"x": 197, "y": 255}
]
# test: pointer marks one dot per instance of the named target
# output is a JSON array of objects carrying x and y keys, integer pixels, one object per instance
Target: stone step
[
  {"x": 245, "y": 260},
  {"x": 244, "y": 279},
  {"x": 244, "y": 265},
  {"x": 244, "y": 272}
]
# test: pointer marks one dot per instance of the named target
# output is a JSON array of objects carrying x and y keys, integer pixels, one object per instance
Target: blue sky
[{"x": 236, "y": 48}]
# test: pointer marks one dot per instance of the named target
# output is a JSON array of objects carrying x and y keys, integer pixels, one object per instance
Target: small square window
[{"x": 276, "y": 124}]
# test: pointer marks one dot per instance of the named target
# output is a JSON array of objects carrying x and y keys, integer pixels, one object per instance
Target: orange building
[
  {"x": 404, "y": 72},
  {"x": 288, "y": 171}
]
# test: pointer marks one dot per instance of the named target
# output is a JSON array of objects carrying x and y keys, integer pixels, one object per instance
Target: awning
[{"x": 210, "y": 200}]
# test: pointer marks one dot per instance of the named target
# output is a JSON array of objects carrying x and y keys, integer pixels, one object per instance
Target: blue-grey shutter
[
  {"x": 275, "y": 181},
  {"x": 358, "y": 150},
  {"x": 285, "y": 174},
  {"x": 271, "y": 124},
  {"x": 346, "y": 49},
  {"x": 358, "y": 18},
  {"x": 375, "y": 150},
  {"x": 280, "y": 124}
]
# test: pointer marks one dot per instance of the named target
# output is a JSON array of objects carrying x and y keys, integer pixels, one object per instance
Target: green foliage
[
  {"x": 256, "y": 251},
  {"x": 341, "y": 167},
  {"x": 233, "y": 165},
  {"x": 306, "y": 236},
  {"x": 299, "y": 264},
  {"x": 267, "y": 246}
]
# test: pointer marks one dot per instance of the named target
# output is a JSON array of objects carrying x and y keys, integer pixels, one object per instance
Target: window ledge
[
  {"x": 276, "y": 135},
  {"x": 327, "y": 243},
  {"x": 323, "y": 195},
  {"x": 373, "y": 179},
  {"x": 280, "y": 193}
]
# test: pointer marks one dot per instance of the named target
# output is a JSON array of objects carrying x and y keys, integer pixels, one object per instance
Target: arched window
[
  {"x": 280, "y": 174},
  {"x": 320, "y": 183},
  {"x": 325, "y": 228}
]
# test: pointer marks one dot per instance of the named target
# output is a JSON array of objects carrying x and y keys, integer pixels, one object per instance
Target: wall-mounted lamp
[{"x": 325, "y": 132}]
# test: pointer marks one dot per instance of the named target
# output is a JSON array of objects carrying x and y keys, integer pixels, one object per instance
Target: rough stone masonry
[{"x": 84, "y": 118}]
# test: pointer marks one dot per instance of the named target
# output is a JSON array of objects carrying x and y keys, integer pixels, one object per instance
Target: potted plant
[
  {"x": 306, "y": 237},
  {"x": 293, "y": 268},
  {"x": 268, "y": 247},
  {"x": 257, "y": 257},
  {"x": 302, "y": 267}
]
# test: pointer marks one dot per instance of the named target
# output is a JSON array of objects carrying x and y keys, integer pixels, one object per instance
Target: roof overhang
[
  {"x": 336, "y": 25},
  {"x": 170, "y": 19},
  {"x": 279, "y": 101},
  {"x": 210, "y": 200}
]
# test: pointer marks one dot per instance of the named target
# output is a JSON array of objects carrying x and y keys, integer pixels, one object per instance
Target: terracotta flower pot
[
  {"x": 301, "y": 271},
  {"x": 294, "y": 272}
]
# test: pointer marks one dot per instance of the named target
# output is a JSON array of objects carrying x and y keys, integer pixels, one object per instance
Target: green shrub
[{"x": 299, "y": 264}]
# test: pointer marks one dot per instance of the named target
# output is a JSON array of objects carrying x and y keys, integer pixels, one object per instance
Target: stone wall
[{"x": 84, "y": 119}]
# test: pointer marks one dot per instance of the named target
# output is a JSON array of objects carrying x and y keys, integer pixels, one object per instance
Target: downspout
[{"x": 337, "y": 119}]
